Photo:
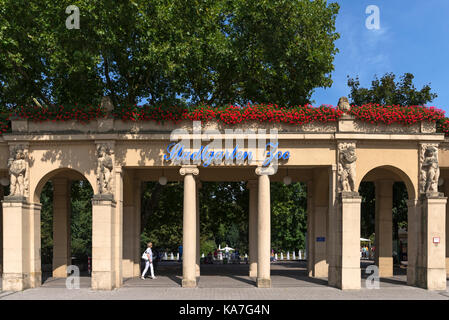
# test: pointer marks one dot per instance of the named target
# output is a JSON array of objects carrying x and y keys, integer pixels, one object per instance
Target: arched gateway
[{"x": 115, "y": 156}]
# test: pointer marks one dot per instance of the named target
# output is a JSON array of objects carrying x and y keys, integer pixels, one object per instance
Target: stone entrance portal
[{"x": 115, "y": 157}]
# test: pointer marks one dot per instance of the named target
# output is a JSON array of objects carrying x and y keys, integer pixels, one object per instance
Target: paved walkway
[{"x": 230, "y": 282}]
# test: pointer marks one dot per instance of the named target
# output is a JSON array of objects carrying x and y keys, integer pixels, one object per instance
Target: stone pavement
[{"x": 230, "y": 282}]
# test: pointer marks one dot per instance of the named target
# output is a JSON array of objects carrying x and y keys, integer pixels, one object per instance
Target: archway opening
[
  {"x": 66, "y": 224},
  {"x": 384, "y": 222}
]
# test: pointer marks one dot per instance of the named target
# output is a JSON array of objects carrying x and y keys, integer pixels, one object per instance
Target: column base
[
  {"x": 188, "y": 283},
  {"x": 103, "y": 280},
  {"x": 20, "y": 281},
  {"x": 431, "y": 279},
  {"x": 263, "y": 282},
  {"x": 411, "y": 275},
  {"x": 346, "y": 278},
  {"x": 332, "y": 278}
]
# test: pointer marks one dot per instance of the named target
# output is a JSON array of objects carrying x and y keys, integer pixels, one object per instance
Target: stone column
[
  {"x": 61, "y": 227},
  {"x": 263, "y": 230},
  {"x": 198, "y": 254},
  {"x": 21, "y": 227},
  {"x": 431, "y": 268},
  {"x": 189, "y": 226},
  {"x": 317, "y": 210},
  {"x": 253, "y": 225},
  {"x": 347, "y": 255},
  {"x": 384, "y": 227},
  {"x": 137, "y": 227},
  {"x": 128, "y": 226},
  {"x": 310, "y": 225},
  {"x": 103, "y": 242},
  {"x": 446, "y": 193},
  {"x": 21, "y": 244},
  {"x": 413, "y": 238},
  {"x": 332, "y": 226},
  {"x": 344, "y": 270},
  {"x": 118, "y": 224}
]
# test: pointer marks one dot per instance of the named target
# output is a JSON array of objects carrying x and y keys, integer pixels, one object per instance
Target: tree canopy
[
  {"x": 166, "y": 51},
  {"x": 387, "y": 91}
]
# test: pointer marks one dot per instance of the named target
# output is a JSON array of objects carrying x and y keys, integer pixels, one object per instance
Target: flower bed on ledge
[{"x": 270, "y": 113}]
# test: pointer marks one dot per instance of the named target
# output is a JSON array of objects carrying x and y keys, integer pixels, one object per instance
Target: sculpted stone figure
[
  {"x": 104, "y": 169},
  {"x": 347, "y": 159},
  {"x": 17, "y": 170},
  {"x": 343, "y": 104},
  {"x": 430, "y": 170}
]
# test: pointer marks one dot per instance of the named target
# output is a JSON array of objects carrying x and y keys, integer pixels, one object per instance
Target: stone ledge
[{"x": 15, "y": 199}]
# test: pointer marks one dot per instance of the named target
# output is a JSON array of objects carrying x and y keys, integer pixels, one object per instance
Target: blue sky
[{"x": 413, "y": 37}]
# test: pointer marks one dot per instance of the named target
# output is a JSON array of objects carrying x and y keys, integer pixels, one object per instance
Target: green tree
[
  {"x": 288, "y": 216},
  {"x": 387, "y": 91},
  {"x": 81, "y": 219},
  {"x": 166, "y": 51}
]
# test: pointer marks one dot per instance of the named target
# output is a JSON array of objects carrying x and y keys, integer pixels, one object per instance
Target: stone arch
[
  {"x": 60, "y": 172},
  {"x": 389, "y": 171}
]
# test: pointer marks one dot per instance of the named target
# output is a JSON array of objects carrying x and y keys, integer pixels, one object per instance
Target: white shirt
[{"x": 150, "y": 253}]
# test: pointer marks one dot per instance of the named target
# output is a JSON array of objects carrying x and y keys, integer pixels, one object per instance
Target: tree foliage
[
  {"x": 387, "y": 91},
  {"x": 166, "y": 51}
]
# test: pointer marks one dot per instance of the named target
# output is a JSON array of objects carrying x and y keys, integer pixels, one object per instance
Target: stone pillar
[
  {"x": 346, "y": 272},
  {"x": 263, "y": 231},
  {"x": 198, "y": 254},
  {"x": 413, "y": 238},
  {"x": 253, "y": 225},
  {"x": 129, "y": 225},
  {"x": 384, "y": 227},
  {"x": 317, "y": 210},
  {"x": 431, "y": 268},
  {"x": 118, "y": 224},
  {"x": 189, "y": 226},
  {"x": 332, "y": 227},
  {"x": 446, "y": 193},
  {"x": 21, "y": 244},
  {"x": 61, "y": 227},
  {"x": 310, "y": 225},
  {"x": 103, "y": 242},
  {"x": 137, "y": 226}
]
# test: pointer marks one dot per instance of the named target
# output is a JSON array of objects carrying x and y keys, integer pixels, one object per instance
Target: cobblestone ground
[{"x": 231, "y": 282}]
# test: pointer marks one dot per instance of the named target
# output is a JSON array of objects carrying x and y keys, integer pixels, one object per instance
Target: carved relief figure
[
  {"x": 430, "y": 170},
  {"x": 104, "y": 169},
  {"x": 346, "y": 167},
  {"x": 17, "y": 170}
]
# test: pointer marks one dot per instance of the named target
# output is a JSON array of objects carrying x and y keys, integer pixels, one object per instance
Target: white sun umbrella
[{"x": 226, "y": 248}]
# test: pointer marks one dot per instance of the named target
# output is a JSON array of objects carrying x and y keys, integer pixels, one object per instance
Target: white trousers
[{"x": 148, "y": 265}]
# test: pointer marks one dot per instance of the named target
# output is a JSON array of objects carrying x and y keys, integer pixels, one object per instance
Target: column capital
[
  {"x": 189, "y": 169},
  {"x": 265, "y": 171}
]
